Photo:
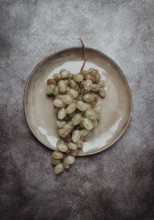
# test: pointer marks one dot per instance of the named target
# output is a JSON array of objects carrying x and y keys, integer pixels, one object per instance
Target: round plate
[{"x": 116, "y": 106}]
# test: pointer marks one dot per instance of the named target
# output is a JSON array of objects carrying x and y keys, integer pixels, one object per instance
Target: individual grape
[
  {"x": 87, "y": 124},
  {"x": 67, "y": 129},
  {"x": 56, "y": 77},
  {"x": 97, "y": 108},
  {"x": 72, "y": 146},
  {"x": 69, "y": 160},
  {"x": 66, "y": 166},
  {"x": 81, "y": 106},
  {"x": 75, "y": 152},
  {"x": 88, "y": 97},
  {"x": 66, "y": 82},
  {"x": 84, "y": 73},
  {"x": 73, "y": 85},
  {"x": 97, "y": 78},
  {"x": 62, "y": 133},
  {"x": 57, "y": 155},
  {"x": 80, "y": 143},
  {"x": 88, "y": 85},
  {"x": 84, "y": 132},
  {"x": 95, "y": 87},
  {"x": 61, "y": 146},
  {"x": 56, "y": 91},
  {"x": 55, "y": 161},
  {"x": 64, "y": 74},
  {"x": 94, "y": 123},
  {"x": 50, "y": 89},
  {"x": 91, "y": 114},
  {"x": 94, "y": 72},
  {"x": 101, "y": 83},
  {"x": 102, "y": 92},
  {"x": 60, "y": 124},
  {"x": 77, "y": 118},
  {"x": 78, "y": 77},
  {"x": 58, "y": 103},
  {"x": 89, "y": 106},
  {"x": 70, "y": 108},
  {"x": 51, "y": 81},
  {"x": 90, "y": 70},
  {"x": 67, "y": 99},
  {"x": 62, "y": 86},
  {"x": 59, "y": 168},
  {"x": 73, "y": 93},
  {"x": 76, "y": 136},
  {"x": 90, "y": 77},
  {"x": 62, "y": 113}
]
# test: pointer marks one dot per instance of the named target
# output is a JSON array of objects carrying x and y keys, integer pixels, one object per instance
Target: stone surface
[{"x": 115, "y": 184}]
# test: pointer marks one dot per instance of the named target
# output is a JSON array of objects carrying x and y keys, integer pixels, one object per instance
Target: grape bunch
[{"x": 74, "y": 98}]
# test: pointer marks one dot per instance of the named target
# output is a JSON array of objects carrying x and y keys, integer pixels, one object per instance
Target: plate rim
[{"x": 123, "y": 76}]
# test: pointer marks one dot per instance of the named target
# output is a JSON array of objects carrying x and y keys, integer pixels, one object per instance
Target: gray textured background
[{"x": 114, "y": 184}]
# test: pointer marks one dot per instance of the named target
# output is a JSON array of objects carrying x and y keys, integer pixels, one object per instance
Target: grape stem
[{"x": 84, "y": 54}]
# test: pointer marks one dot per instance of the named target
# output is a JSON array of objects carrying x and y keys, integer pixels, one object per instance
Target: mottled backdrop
[{"x": 116, "y": 184}]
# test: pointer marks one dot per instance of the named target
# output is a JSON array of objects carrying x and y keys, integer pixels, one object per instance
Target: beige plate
[{"x": 116, "y": 107}]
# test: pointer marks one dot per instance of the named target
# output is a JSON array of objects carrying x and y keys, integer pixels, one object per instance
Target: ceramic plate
[{"x": 116, "y": 106}]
